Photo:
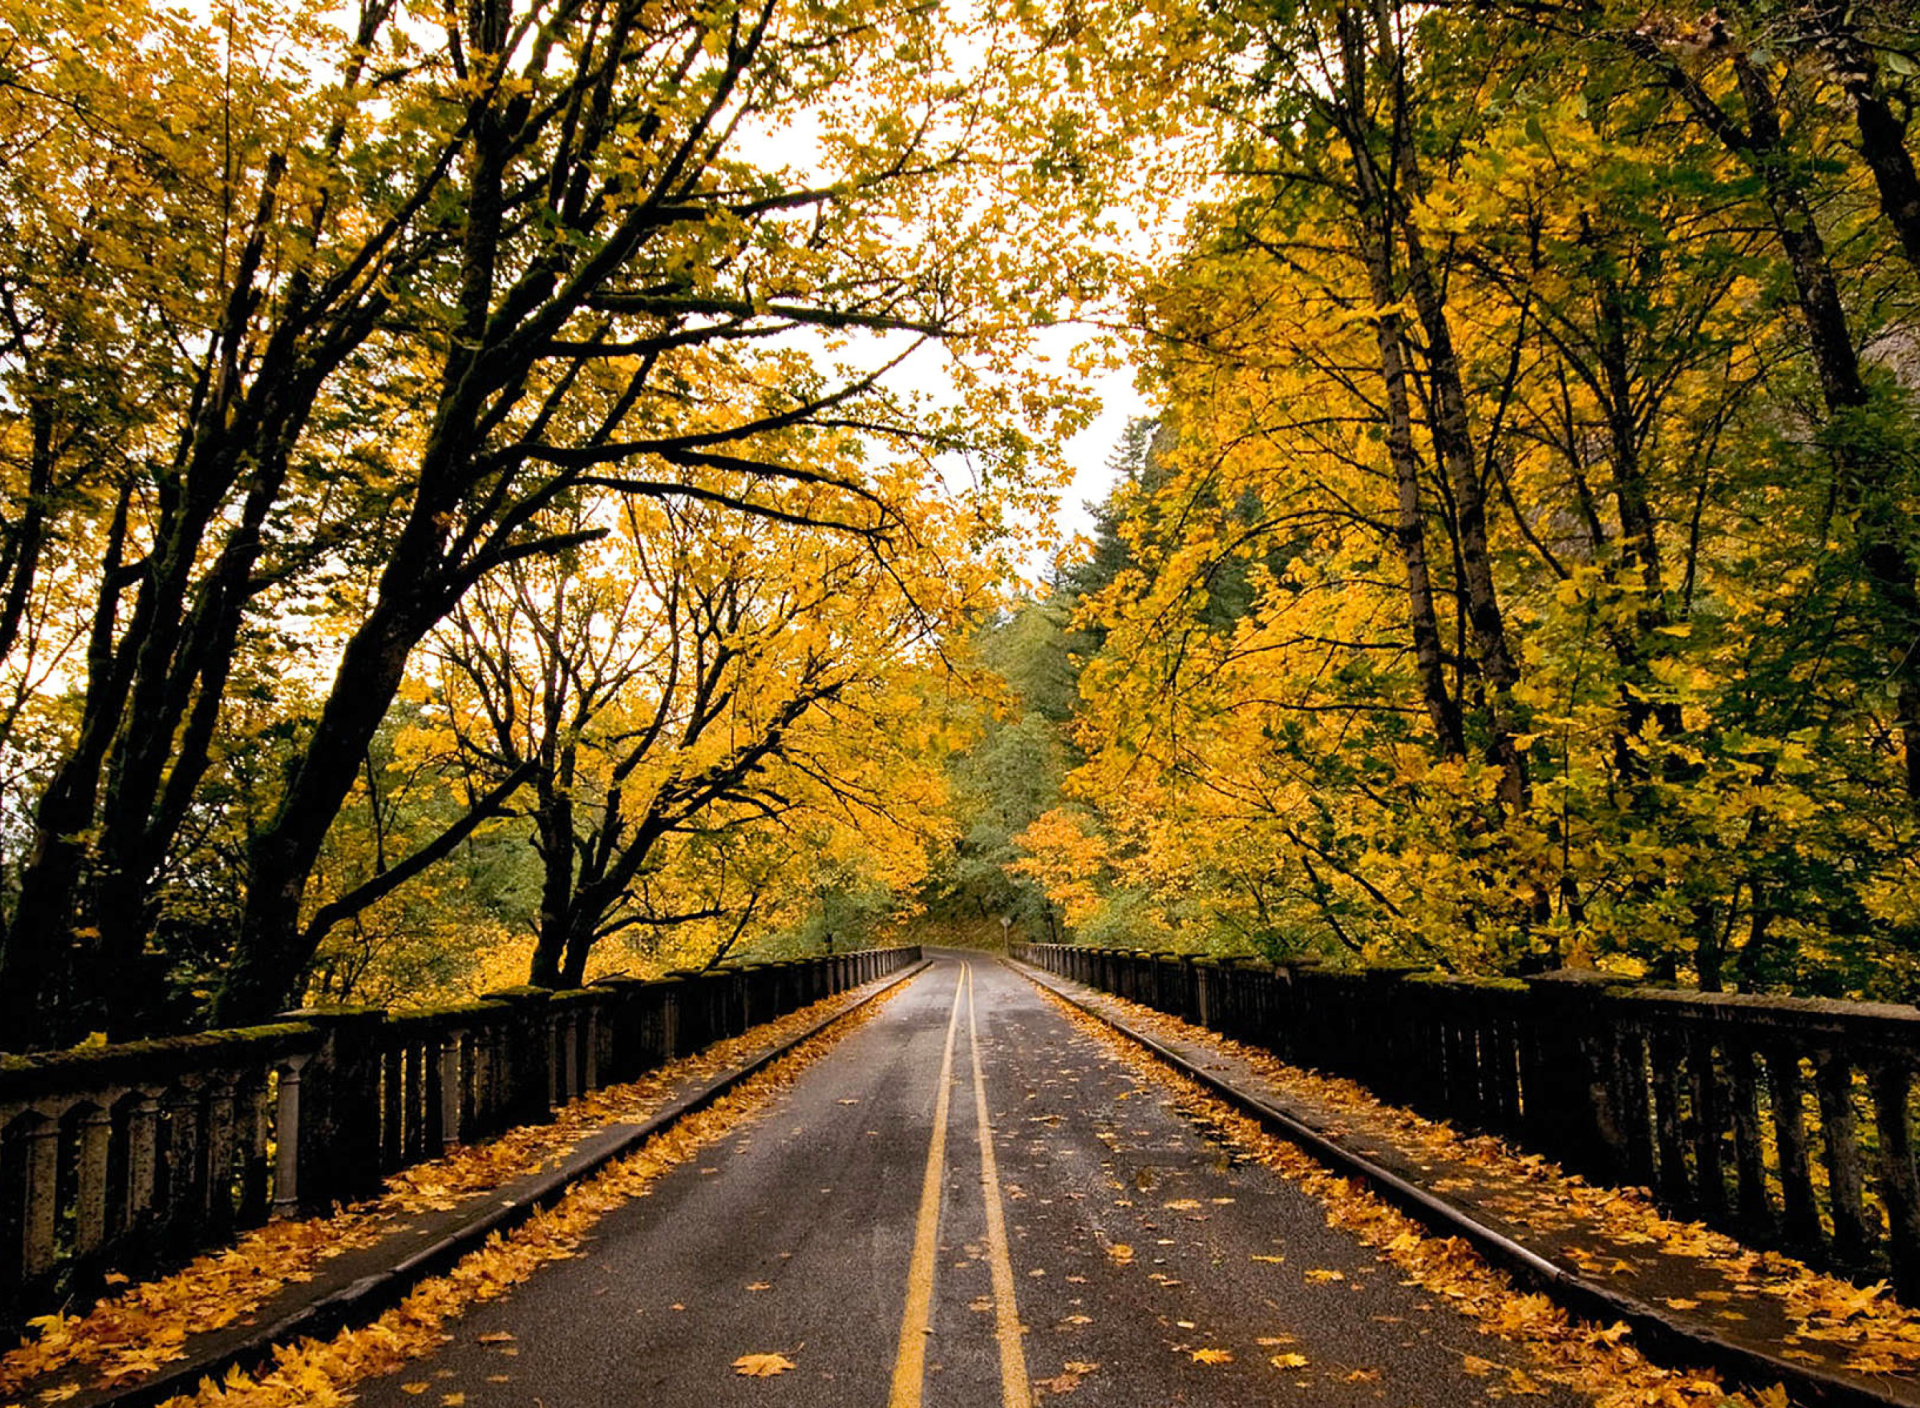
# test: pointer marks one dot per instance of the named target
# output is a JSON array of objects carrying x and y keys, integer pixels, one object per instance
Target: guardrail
[
  {"x": 1788, "y": 1122},
  {"x": 128, "y": 1157}
]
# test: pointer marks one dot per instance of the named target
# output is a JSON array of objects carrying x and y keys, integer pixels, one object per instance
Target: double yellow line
[{"x": 910, "y": 1364}]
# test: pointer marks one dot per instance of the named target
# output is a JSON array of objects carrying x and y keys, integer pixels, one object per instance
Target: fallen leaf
[
  {"x": 496, "y": 1337},
  {"x": 761, "y": 1366},
  {"x": 415, "y": 1389},
  {"x": 761, "y": 1286},
  {"x": 1288, "y": 1361},
  {"x": 1323, "y": 1276},
  {"x": 1211, "y": 1356},
  {"x": 1121, "y": 1253}
]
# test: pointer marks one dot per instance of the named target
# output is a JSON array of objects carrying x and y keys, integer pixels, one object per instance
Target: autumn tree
[
  {"x": 690, "y": 679},
  {"x": 324, "y": 317},
  {"x": 1490, "y": 338}
]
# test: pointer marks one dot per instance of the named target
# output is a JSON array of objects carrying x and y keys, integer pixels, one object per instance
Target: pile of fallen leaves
[
  {"x": 149, "y": 1325},
  {"x": 1873, "y": 1332},
  {"x": 1595, "y": 1361}
]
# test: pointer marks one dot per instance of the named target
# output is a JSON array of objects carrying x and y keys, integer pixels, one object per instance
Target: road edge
[{"x": 1659, "y": 1334}]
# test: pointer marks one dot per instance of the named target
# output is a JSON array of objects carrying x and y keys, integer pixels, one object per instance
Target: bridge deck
[{"x": 1132, "y": 1242}]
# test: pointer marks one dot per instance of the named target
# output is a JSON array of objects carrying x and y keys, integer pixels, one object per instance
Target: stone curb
[
  {"x": 366, "y": 1298},
  {"x": 1664, "y": 1335}
]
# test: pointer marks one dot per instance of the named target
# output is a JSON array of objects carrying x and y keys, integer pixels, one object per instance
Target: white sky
[{"x": 1089, "y": 451}]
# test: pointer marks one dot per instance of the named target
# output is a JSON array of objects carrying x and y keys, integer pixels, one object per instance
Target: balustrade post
[
  {"x": 621, "y": 1028},
  {"x": 185, "y": 1195},
  {"x": 40, "y": 1150},
  {"x": 692, "y": 1012},
  {"x": 567, "y": 1066},
  {"x": 90, "y": 1210},
  {"x": 1855, "y": 1225},
  {"x": 590, "y": 1044},
  {"x": 1891, "y": 1083},
  {"x": 1385, "y": 981},
  {"x": 527, "y": 1053},
  {"x": 339, "y": 1119},
  {"x": 217, "y": 1189},
  {"x": 451, "y": 1132},
  {"x": 1569, "y": 1082},
  {"x": 1800, "y": 1216},
  {"x": 287, "y": 1139},
  {"x": 256, "y": 1136},
  {"x": 143, "y": 1155}
]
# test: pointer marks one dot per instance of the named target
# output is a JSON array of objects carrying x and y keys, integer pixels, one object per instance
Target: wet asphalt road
[{"x": 1129, "y": 1242}]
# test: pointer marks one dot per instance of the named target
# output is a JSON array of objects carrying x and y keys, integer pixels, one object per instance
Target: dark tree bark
[{"x": 1386, "y": 166}]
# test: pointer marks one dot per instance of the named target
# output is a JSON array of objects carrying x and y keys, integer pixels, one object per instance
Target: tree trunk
[
  {"x": 1410, "y": 533},
  {"x": 553, "y": 839},
  {"x": 1451, "y": 427},
  {"x": 272, "y": 951},
  {"x": 1883, "y": 134}
]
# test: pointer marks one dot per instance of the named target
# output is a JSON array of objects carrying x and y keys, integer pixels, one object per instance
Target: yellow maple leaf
[
  {"x": 1211, "y": 1356},
  {"x": 762, "y": 1366},
  {"x": 1288, "y": 1361}
]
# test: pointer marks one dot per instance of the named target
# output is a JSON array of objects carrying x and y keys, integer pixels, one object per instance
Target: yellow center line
[
  {"x": 1013, "y": 1359},
  {"x": 909, "y": 1365}
]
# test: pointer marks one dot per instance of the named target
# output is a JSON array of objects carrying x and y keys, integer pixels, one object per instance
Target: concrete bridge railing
[
  {"x": 1787, "y": 1122},
  {"x": 132, "y": 1156}
]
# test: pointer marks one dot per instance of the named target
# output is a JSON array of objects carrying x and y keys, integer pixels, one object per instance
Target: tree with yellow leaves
[
  {"x": 322, "y": 316},
  {"x": 1528, "y": 573},
  {"x": 680, "y": 692}
]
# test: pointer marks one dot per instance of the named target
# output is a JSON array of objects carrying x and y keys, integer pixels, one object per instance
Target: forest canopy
[
  {"x": 543, "y": 488},
  {"x": 425, "y": 429},
  {"x": 1523, "y": 573}
]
